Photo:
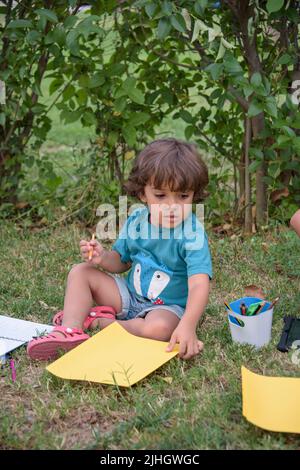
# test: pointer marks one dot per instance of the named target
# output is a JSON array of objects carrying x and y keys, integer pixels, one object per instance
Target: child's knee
[
  {"x": 158, "y": 329},
  {"x": 80, "y": 269},
  {"x": 295, "y": 222}
]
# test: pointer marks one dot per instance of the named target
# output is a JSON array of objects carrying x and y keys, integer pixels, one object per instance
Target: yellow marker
[{"x": 91, "y": 250}]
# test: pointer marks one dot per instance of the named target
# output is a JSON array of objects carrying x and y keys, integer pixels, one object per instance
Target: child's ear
[{"x": 142, "y": 197}]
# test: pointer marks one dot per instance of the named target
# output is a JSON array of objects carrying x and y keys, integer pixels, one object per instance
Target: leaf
[
  {"x": 129, "y": 83},
  {"x": 215, "y": 70},
  {"x": 279, "y": 194},
  {"x": 274, "y": 5},
  {"x": 71, "y": 116},
  {"x": 257, "y": 153},
  {"x": 286, "y": 59},
  {"x": 136, "y": 95},
  {"x": 178, "y": 23},
  {"x": 200, "y": 6},
  {"x": 189, "y": 131},
  {"x": 227, "y": 44},
  {"x": 129, "y": 88},
  {"x": 129, "y": 134},
  {"x": 186, "y": 116},
  {"x": 72, "y": 42},
  {"x": 2, "y": 119},
  {"x": 129, "y": 155},
  {"x": 53, "y": 87},
  {"x": 112, "y": 138},
  {"x": 248, "y": 90},
  {"x": 197, "y": 29},
  {"x": 254, "y": 109},
  {"x": 256, "y": 79},
  {"x": 21, "y": 204},
  {"x": 18, "y": 24},
  {"x": 213, "y": 33},
  {"x": 221, "y": 51},
  {"x": 48, "y": 14},
  {"x": 150, "y": 9},
  {"x": 187, "y": 19},
  {"x": 169, "y": 380},
  {"x": 167, "y": 8},
  {"x": 254, "y": 291},
  {"x": 138, "y": 118},
  {"x": 32, "y": 37},
  {"x": 232, "y": 66},
  {"x": 163, "y": 29},
  {"x": 254, "y": 166},
  {"x": 271, "y": 106},
  {"x": 96, "y": 80}
]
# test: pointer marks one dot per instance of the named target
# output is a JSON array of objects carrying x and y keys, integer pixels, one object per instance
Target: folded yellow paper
[
  {"x": 271, "y": 403},
  {"x": 112, "y": 356}
]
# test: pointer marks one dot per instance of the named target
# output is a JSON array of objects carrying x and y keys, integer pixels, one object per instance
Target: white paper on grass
[{"x": 15, "y": 332}]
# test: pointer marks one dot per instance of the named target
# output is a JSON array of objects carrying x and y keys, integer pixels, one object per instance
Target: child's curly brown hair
[{"x": 170, "y": 162}]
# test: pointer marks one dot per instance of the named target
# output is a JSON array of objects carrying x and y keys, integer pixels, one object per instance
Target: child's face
[{"x": 164, "y": 203}]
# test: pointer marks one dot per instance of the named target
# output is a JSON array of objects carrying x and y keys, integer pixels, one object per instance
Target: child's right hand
[{"x": 97, "y": 254}]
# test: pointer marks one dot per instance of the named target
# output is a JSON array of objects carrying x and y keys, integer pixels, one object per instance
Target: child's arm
[
  {"x": 295, "y": 222},
  {"x": 108, "y": 260},
  {"x": 185, "y": 333},
  {"x": 112, "y": 263}
]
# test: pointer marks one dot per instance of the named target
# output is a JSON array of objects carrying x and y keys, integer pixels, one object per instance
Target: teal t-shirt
[{"x": 162, "y": 258}]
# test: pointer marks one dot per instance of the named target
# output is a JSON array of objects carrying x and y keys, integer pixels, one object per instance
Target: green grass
[{"x": 202, "y": 406}]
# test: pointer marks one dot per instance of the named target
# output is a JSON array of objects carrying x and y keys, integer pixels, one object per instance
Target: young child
[
  {"x": 165, "y": 249},
  {"x": 295, "y": 222}
]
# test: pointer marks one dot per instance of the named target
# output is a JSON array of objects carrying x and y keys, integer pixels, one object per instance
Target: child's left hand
[{"x": 189, "y": 344}]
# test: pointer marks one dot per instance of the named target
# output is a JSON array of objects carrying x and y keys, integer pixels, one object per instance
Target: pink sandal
[
  {"x": 48, "y": 346},
  {"x": 103, "y": 311}
]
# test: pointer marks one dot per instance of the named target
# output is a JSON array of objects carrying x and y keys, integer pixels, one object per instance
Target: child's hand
[
  {"x": 97, "y": 253},
  {"x": 189, "y": 344}
]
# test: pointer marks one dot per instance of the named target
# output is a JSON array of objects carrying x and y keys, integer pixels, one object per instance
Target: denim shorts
[{"x": 134, "y": 306}]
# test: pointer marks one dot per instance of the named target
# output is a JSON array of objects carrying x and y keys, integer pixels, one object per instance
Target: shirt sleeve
[
  {"x": 197, "y": 255},
  {"x": 121, "y": 245}
]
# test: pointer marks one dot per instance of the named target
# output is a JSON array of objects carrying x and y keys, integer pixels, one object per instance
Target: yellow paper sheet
[
  {"x": 272, "y": 403},
  {"x": 112, "y": 356}
]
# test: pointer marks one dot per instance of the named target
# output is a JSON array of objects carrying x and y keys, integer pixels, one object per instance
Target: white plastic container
[{"x": 255, "y": 330}]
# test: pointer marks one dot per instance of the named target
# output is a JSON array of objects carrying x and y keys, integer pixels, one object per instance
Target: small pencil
[
  {"x": 274, "y": 302},
  {"x": 91, "y": 250}
]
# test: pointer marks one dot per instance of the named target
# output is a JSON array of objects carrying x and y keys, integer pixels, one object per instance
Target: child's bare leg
[
  {"x": 85, "y": 284},
  {"x": 295, "y": 222},
  {"x": 158, "y": 324}
]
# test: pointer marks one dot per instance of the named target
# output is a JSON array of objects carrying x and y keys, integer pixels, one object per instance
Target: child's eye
[
  {"x": 159, "y": 195},
  {"x": 184, "y": 196}
]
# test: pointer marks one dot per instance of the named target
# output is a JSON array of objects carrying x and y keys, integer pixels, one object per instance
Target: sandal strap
[{"x": 66, "y": 330}]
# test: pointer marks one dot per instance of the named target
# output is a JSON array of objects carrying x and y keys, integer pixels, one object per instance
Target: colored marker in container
[
  {"x": 227, "y": 306},
  {"x": 243, "y": 309},
  {"x": 240, "y": 322}
]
